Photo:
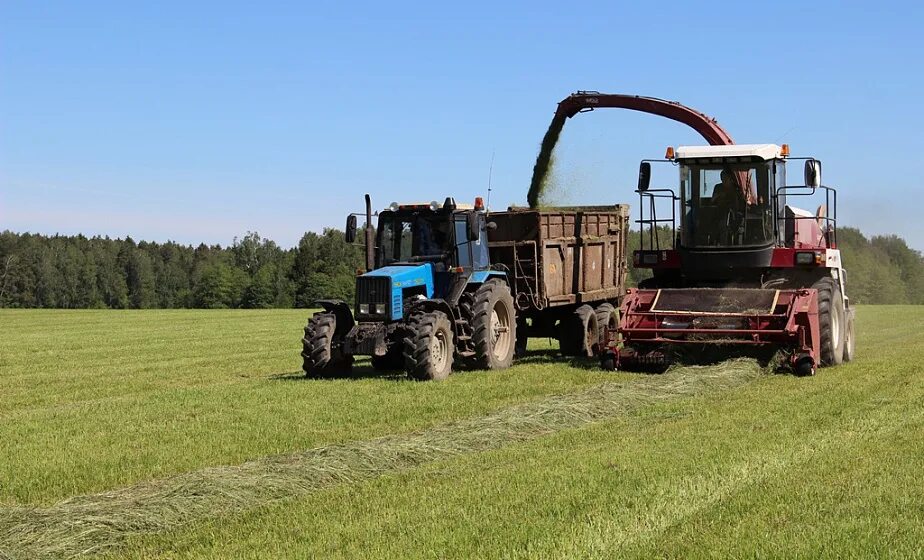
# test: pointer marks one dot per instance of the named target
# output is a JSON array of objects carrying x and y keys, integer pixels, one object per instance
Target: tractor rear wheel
[
  {"x": 428, "y": 346},
  {"x": 322, "y": 355},
  {"x": 494, "y": 326},
  {"x": 578, "y": 334},
  {"x": 831, "y": 321}
]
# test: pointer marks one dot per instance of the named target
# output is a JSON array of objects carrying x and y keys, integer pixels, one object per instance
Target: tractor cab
[
  {"x": 730, "y": 215},
  {"x": 448, "y": 236}
]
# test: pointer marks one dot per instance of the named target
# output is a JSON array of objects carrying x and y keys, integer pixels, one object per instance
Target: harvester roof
[{"x": 761, "y": 151}]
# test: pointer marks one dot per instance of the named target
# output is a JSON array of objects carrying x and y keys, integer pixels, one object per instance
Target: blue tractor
[{"x": 430, "y": 298}]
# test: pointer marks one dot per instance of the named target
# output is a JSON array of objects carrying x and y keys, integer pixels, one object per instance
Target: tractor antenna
[{"x": 490, "y": 174}]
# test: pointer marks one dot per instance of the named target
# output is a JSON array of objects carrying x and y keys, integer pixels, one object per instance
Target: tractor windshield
[
  {"x": 407, "y": 236},
  {"x": 726, "y": 205}
]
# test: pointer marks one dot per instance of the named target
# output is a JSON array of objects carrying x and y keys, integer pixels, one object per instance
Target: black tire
[
  {"x": 522, "y": 338},
  {"x": 391, "y": 361},
  {"x": 322, "y": 356},
  {"x": 494, "y": 326},
  {"x": 428, "y": 347},
  {"x": 608, "y": 361},
  {"x": 831, "y": 320},
  {"x": 850, "y": 343},
  {"x": 607, "y": 318},
  {"x": 579, "y": 335}
]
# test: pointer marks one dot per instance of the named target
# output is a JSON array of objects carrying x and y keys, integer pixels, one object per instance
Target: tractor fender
[
  {"x": 482, "y": 276},
  {"x": 342, "y": 313}
]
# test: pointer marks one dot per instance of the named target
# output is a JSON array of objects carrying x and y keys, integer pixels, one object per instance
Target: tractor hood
[{"x": 399, "y": 278}]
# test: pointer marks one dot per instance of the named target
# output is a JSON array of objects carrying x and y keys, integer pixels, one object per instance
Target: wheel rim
[
  {"x": 835, "y": 326},
  {"x": 500, "y": 331},
  {"x": 439, "y": 350}
]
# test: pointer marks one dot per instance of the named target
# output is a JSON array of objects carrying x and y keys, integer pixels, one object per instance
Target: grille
[{"x": 373, "y": 290}]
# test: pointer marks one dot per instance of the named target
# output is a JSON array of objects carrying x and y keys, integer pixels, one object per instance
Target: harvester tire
[
  {"x": 850, "y": 344},
  {"x": 579, "y": 335},
  {"x": 494, "y": 326},
  {"x": 321, "y": 356},
  {"x": 428, "y": 347},
  {"x": 522, "y": 338},
  {"x": 607, "y": 318},
  {"x": 831, "y": 321}
]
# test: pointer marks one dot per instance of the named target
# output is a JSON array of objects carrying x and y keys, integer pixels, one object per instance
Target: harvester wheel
[
  {"x": 579, "y": 335},
  {"x": 322, "y": 356},
  {"x": 428, "y": 347},
  {"x": 850, "y": 343},
  {"x": 607, "y": 318},
  {"x": 494, "y": 326},
  {"x": 831, "y": 320}
]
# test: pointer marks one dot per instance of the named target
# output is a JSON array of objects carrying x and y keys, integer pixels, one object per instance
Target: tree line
[{"x": 98, "y": 272}]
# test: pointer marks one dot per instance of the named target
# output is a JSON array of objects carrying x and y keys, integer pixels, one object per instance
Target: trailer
[{"x": 566, "y": 268}]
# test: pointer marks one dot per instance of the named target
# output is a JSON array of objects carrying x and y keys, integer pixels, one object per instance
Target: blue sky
[{"x": 199, "y": 121}]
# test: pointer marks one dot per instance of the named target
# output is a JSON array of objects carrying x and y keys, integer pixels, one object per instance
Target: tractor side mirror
[
  {"x": 472, "y": 226},
  {"x": 644, "y": 176},
  {"x": 350, "y": 233},
  {"x": 812, "y": 173}
]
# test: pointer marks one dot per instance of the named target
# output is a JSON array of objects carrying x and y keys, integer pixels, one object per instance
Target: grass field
[{"x": 191, "y": 434}]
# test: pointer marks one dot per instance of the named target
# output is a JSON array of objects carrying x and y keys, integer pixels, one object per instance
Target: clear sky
[{"x": 199, "y": 121}]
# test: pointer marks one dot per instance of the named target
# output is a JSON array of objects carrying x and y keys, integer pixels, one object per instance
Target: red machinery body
[
  {"x": 729, "y": 296},
  {"x": 772, "y": 319}
]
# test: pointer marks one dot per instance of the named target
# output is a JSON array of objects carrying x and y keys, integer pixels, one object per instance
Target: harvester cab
[
  {"x": 734, "y": 265},
  {"x": 429, "y": 295}
]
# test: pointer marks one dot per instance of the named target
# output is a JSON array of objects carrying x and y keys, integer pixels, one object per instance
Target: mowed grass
[
  {"x": 92, "y": 400},
  {"x": 781, "y": 466},
  {"x": 828, "y": 466}
]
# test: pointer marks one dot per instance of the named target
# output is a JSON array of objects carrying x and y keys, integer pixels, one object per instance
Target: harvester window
[{"x": 725, "y": 205}]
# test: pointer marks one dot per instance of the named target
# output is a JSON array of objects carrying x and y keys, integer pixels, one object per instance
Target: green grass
[
  {"x": 780, "y": 466},
  {"x": 91, "y": 400}
]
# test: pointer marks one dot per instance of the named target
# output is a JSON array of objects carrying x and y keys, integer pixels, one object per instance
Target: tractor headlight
[{"x": 363, "y": 308}]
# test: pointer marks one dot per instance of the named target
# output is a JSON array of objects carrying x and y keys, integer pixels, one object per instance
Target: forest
[{"x": 73, "y": 272}]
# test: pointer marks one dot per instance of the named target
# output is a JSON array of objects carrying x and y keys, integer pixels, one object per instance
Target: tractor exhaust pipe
[{"x": 370, "y": 236}]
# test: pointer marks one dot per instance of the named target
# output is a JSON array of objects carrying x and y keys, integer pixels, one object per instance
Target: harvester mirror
[
  {"x": 644, "y": 176},
  {"x": 812, "y": 173},
  {"x": 491, "y": 226},
  {"x": 472, "y": 226},
  {"x": 350, "y": 233}
]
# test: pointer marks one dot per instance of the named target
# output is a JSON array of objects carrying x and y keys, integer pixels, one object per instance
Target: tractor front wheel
[
  {"x": 428, "y": 347},
  {"x": 322, "y": 355}
]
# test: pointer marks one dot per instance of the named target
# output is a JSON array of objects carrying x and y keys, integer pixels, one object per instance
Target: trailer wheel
[
  {"x": 607, "y": 318},
  {"x": 321, "y": 356},
  {"x": 494, "y": 326},
  {"x": 428, "y": 347},
  {"x": 831, "y": 321},
  {"x": 579, "y": 335},
  {"x": 850, "y": 342}
]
